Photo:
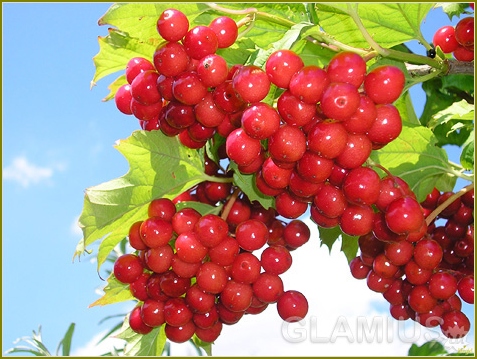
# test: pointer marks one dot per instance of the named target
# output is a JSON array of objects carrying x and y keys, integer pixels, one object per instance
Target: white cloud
[{"x": 22, "y": 171}]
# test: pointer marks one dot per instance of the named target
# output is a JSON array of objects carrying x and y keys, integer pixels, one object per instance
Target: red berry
[
  {"x": 226, "y": 31},
  {"x": 260, "y": 121},
  {"x": 455, "y": 324},
  {"x": 464, "y": 32},
  {"x": 251, "y": 83},
  {"x": 445, "y": 39},
  {"x": 136, "y": 322},
  {"x": 292, "y": 306},
  {"x": 171, "y": 59},
  {"x": 309, "y": 83},
  {"x": 122, "y": 99},
  {"x": 276, "y": 259},
  {"x": 384, "y": 84},
  {"x": 200, "y": 41},
  {"x": 287, "y": 144},
  {"x": 347, "y": 67},
  {"x": 281, "y": 66},
  {"x": 340, "y": 101},
  {"x": 172, "y": 25},
  {"x": 127, "y": 268},
  {"x": 251, "y": 234},
  {"x": 404, "y": 215}
]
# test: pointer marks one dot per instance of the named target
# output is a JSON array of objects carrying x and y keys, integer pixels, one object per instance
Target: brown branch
[{"x": 454, "y": 67}]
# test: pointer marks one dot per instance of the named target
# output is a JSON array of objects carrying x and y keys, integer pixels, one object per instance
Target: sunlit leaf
[
  {"x": 415, "y": 158},
  {"x": 151, "y": 344},
  {"x": 114, "y": 292},
  {"x": 116, "y": 49},
  {"x": 246, "y": 182},
  {"x": 389, "y": 24},
  {"x": 158, "y": 167}
]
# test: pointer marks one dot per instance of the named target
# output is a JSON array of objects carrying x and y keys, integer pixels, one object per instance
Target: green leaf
[
  {"x": 246, "y": 182},
  {"x": 467, "y": 155},
  {"x": 158, "y": 167},
  {"x": 151, "y": 344},
  {"x": 415, "y": 158},
  {"x": 453, "y": 9},
  {"x": 202, "y": 208},
  {"x": 461, "y": 110},
  {"x": 139, "y": 19},
  {"x": 431, "y": 348},
  {"x": 114, "y": 86},
  {"x": 349, "y": 244},
  {"x": 389, "y": 24},
  {"x": 65, "y": 343},
  {"x": 115, "y": 50},
  {"x": 285, "y": 42},
  {"x": 201, "y": 344},
  {"x": 114, "y": 292}
]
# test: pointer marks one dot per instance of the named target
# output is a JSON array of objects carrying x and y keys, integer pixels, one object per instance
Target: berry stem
[
  {"x": 257, "y": 14},
  {"x": 218, "y": 179},
  {"x": 447, "y": 202},
  {"x": 230, "y": 203},
  {"x": 353, "y": 12}
]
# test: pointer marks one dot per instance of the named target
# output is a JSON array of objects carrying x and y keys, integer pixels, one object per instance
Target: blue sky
[{"x": 58, "y": 139}]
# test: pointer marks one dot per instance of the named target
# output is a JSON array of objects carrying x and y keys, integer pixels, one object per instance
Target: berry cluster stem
[
  {"x": 230, "y": 203},
  {"x": 447, "y": 202}
]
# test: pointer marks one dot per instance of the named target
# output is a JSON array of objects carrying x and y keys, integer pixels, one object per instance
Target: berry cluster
[
  {"x": 458, "y": 40},
  {"x": 425, "y": 279},
  {"x": 194, "y": 273},
  {"x": 308, "y": 150}
]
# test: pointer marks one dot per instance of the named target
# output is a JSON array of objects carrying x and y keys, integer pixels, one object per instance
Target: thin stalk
[
  {"x": 228, "y": 207},
  {"x": 447, "y": 202}
]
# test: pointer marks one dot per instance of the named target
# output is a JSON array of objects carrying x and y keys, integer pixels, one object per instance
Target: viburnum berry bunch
[
  {"x": 194, "y": 273},
  {"x": 284, "y": 138},
  {"x": 424, "y": 277},
  {"x": 458, "y": 40}
]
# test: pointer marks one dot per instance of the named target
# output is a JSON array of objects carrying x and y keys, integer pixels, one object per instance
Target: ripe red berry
[
  {"x": 386, "y": 127},
  {"x": 464, "y": 32},
  {"x": 136, "y": 322},
  {"x": 251, "y": 83},
  {"x": 211, "y": 277},
  {"x": 170, "y": 59},
  {"x": 135, "y": 66},
  {"x": 242, "y": 148},
  {"x": 122, "y": 99},
  {"x": 172, "y": 25},
  {"x": 384, "y": 84},
  {"x": 444, "y": 37},
  {"x": 292, "y": 306},
  {"x": 309, "y": 83},
  {"x": 200, "y": 41},
  {"x": 260, "y": 121},
  {"x": 276, "y": 259},
  {"x": 251, "y": 234},
  {"x": 404, "y": 215},
  {"x": 226, "y": 31},
  {"x": 455, "y": 324},
  {"x": 156, "y": 232},
  {"x": 362, "y": 186},
  {"x": 287, "y": 144},
  {"x": 340, "y": 101},
  {"x": 347, "y": 67},
  {"x": 327, "y": 139},
  {"x": 281, "y": 66},
  {"x": 127, "y": 268}
]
